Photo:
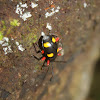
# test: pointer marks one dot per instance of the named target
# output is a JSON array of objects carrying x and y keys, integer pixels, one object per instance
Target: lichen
[
  {"x": 30, "y": 39},
  {"x": 1, "y": 35},
  {"x": 35, "y": 38},
  {"x": 3, "y": 26},
  {"x": 14, "y": 22}
]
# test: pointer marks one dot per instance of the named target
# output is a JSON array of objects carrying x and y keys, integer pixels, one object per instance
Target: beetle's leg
[
  {"x": 60, "y": 48},
  {"x": 48, "y": 62},
  {"x": 52, "y": 74},
  {"x": 43, "y": 65},
  {"x": 59, "y": 54},
  {"x": 37, "y": 57},
  {"x": 57, "y": 39},
  {"x": 37, "y": 51},
  {"x": 43, "y": 58}
]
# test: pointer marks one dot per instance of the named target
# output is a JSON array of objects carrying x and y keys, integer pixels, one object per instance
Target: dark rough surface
[{"x": 79, "y": 29}]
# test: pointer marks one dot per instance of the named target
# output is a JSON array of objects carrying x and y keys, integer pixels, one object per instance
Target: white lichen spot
[
  {"x": 53, "y": 11},
  {"x": 17, "y": 43},
  {"x": 49, "y": 26},
  {"x": 7, "y": 47},
  {"x": 33, "y": 5},
  {"x": 5, "y": 44},
  {"x": 25, "y": 16},
  {"x": 1, "y": 42},
  {"x": 5, "y": 50},
  {"x": 23, "y": 10},
  {"x": 6, "y": 39},
  {"x": 23, "y": 5},
  {"x": 85, "y": 4},
  {"x": 48, "y": 14},
  {"x": 57, "y": 10},
  {"x": 20, "y": 9},
  {"x": 20, "y": 46}
]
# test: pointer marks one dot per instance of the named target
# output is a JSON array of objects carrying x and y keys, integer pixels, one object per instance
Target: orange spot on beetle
[
  {"x": 57, "y": 39},
  {"x": 60, "y": 48},
  {"x": 48, "y": 62},
  {"x": 42, "y": 51},
  {"x": 59, "y": 54},
  {"x": 43, "y": 58}
]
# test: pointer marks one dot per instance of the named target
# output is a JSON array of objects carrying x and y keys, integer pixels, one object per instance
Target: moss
[
  {"x": 3, "y": 25},
  {"x": 35, "y": 38},
  {"x": 14, "y": 22},
  {"x": 1, "y": 35},
  {"x": 5, "y": 28},
  {"x": 9, "y": 30},
  {"x": 30, "y": 39}
]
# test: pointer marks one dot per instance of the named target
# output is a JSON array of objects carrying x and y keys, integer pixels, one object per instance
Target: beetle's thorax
[{"x": 45, "y": 37}]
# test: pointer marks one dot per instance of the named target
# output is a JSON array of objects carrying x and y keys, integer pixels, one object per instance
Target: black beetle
[{"x": 48, "y": 45}]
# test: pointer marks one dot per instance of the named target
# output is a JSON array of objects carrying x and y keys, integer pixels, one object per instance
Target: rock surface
[{"x": 76, "y": 22}]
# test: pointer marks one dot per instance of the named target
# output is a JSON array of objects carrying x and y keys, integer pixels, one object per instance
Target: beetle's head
[{"x": 45, "y": 37}]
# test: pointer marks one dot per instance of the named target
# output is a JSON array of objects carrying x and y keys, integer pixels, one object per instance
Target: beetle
[{"x": 48, "y": 45}]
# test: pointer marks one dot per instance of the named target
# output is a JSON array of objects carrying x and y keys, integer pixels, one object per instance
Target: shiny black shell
[{"x": 52, "y": 49}]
